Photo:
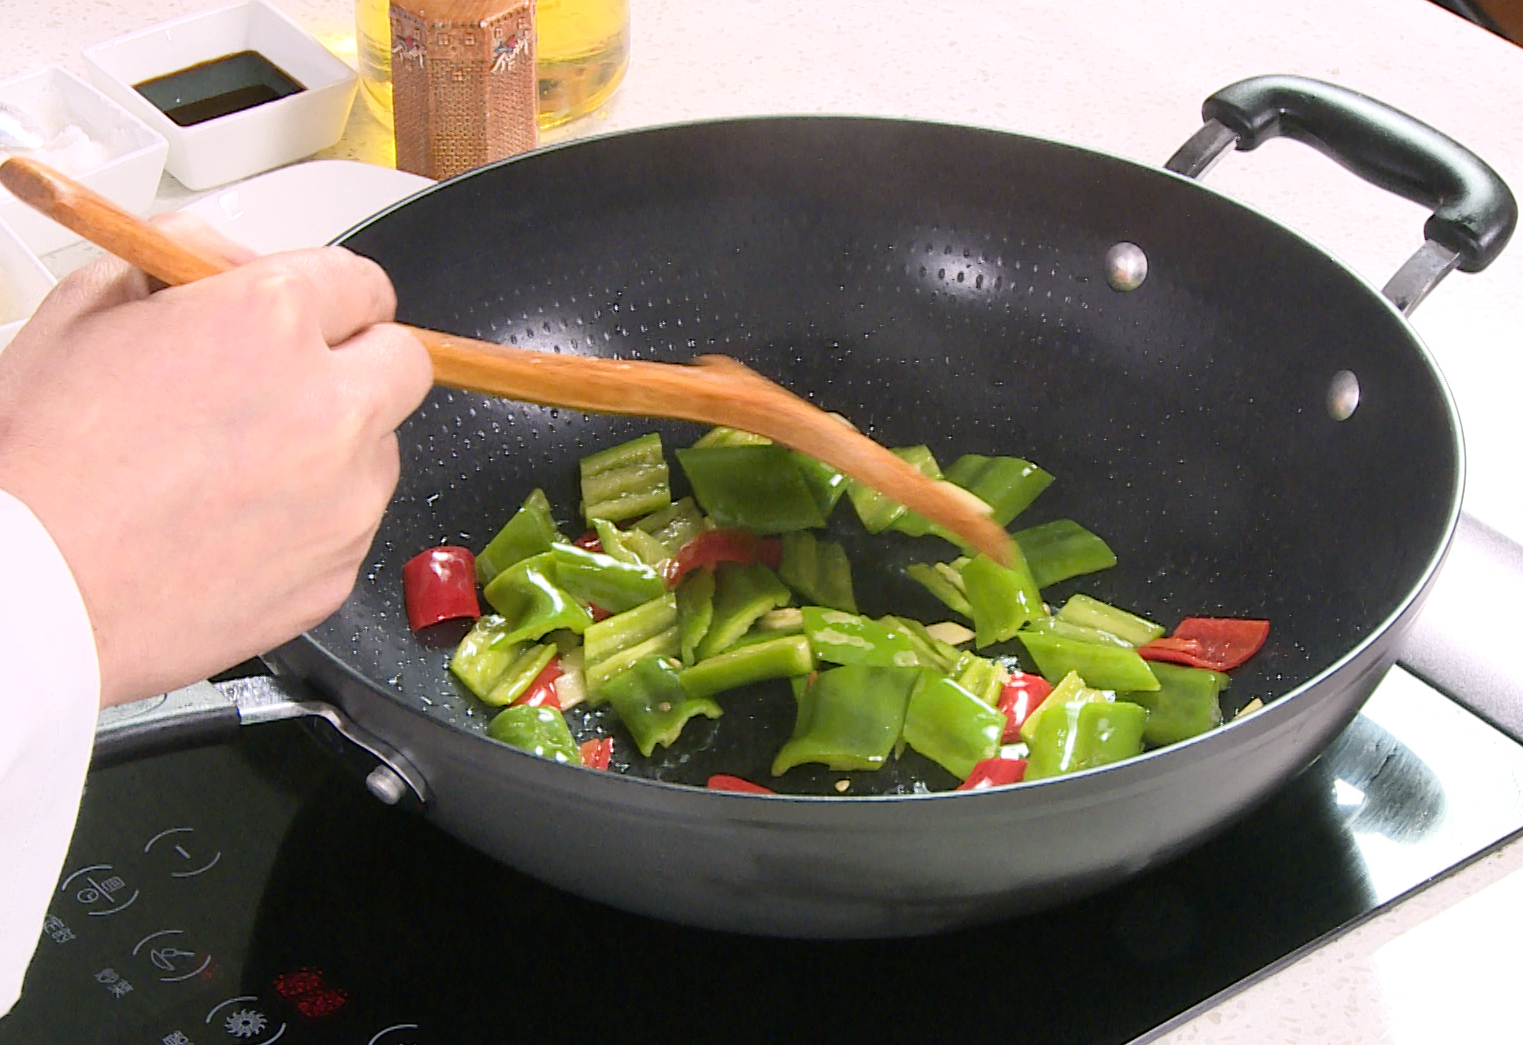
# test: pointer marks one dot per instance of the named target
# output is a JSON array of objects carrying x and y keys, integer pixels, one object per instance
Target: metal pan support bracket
[
  {"x": 208, "y": 713},
  {"x": 1473, "y": 211}
]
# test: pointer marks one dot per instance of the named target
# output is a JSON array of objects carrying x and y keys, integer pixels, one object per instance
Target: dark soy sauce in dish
[{"x": 218, "y": 87}]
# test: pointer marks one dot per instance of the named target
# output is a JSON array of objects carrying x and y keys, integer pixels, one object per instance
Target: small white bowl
[
  {"x": 243, "y": 143},
  {"x": 133, "y": 154},
  {"x": 24, "y": 282}
]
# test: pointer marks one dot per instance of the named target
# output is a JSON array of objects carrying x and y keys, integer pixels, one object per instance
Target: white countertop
[{"x": 1127, "y": 79}]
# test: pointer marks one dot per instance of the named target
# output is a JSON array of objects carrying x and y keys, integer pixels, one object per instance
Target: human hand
[{"x": 212, "y": 460}]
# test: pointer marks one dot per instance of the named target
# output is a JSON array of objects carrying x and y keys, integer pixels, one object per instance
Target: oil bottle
[{"x": 583, "y": 48}]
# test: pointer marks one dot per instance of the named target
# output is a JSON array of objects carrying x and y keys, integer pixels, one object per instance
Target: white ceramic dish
[
  {"x": 24, "y": 282},
  {"x": 239, "y": 144},
  {"x": 304, "y": 205},
  {"x": 130, "y": 154}
]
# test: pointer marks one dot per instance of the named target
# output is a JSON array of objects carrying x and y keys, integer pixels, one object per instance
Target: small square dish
[
  {"x": 24, "y": 282},
  {"x": 88, "y": 137},
  {"x": 281, "y": 95}
]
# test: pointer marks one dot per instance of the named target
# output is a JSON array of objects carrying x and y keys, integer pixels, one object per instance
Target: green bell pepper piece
[
  {"x": 950, "y": 726},
  {"x": 1103, "y": 666},
  {"x": 1092, "y": 613},
  {"x": 787, "y": 656},
  {"x": 845, "y": 638},
  {"x": 652, "y": 704},
  {"x": 1083, "y": 735},
  {"x": 945, "y": 582},
  {"x": 623, "y": 630},
  {"x": 818, "y": 570},
  {"x": 742, "y": 593},
  {"x": 539, "y": 730},
  {"x": 605, "y": 581},
  {"x": 615, "y": 541},
  {"x": 980, "y": 676},
  {"x": 1078, "y": 632},
  {"x": 673, "y": 526},
  {"x": 695, "y": 612},
  {"x": 625, "y": 481},
  {"x": 720, "y": 435},
  {"x": 482, "y": 657},
  {"x": 1071, "y": 690},
  {"x": 774, "y": 624},
  {"x": 1002, "y": 598},
  {"x": 931, "y": 651},
  {"x": 826, "y": 483},
  {"x": 849, "y": 718},
  {"x": 1062, "y": 549},
  {"x": 613, "y": 645},
  {"x": 1007, "y": 485},
  {"x": 531, "y": 531},
  {"x": 877, "y": 510},
  {"x": 530, "y": 600},
  {"x": 525, "y": 669},
  {"x": 1185, "y": 704},
  {"x": 756, "y": 488}
]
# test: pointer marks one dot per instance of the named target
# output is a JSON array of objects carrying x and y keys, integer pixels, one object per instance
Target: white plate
[{"x": 305, "y": 205}]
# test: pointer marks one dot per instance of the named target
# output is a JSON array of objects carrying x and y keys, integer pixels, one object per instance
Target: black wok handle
[{"x": 1474, "y": 212}]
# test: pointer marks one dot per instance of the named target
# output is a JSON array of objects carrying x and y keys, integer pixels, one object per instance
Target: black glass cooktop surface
[{"x": 255, "y": 892}]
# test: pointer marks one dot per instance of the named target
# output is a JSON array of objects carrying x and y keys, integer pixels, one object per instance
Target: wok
[{"x": 1255, "y": 429}]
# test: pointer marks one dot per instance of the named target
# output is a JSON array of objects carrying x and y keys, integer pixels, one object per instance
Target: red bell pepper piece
[
  {"x": 440, "y": 584},
  {"x": 713, "y": 547},
  {"x": 597, "y": 612},
  {"x": 994, "y": 772},
  {"x": 596, "y": 754},
  {"x": 541, "y": 692},
  {"x": 589, "y": 541},
  {"x": 725, "y": 782},
  {"x": 1218, "y": 643},
  {"x": 1022, "y": 695}
]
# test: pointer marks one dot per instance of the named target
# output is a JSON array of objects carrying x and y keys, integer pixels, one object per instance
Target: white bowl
[
  {"x": 239, "y": 144},
  {"x": 133, "y": 154},
  {"x": 24, "y": 282}
]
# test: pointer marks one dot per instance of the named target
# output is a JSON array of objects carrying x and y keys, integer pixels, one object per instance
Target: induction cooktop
[{"x": 255, "y": 892}]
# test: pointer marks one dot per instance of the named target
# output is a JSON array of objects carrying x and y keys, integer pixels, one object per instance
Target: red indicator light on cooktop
[{"x": 305, "y": 989}]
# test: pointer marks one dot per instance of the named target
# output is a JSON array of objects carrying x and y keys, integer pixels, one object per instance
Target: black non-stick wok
[{"x": 1254, "y": 428}]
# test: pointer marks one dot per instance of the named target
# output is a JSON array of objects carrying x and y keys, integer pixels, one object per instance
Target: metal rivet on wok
[
  {"x": 1126, "y": 266},
  {"x": 386, "y": 785},
  {"x": 1343, "y": 395}
]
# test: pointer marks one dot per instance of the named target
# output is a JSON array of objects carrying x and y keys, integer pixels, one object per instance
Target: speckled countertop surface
[{"x": 1439, "y": 966}]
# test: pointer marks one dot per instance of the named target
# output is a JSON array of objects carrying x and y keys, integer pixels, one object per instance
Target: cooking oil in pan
[{"x": 583, "y": 49}]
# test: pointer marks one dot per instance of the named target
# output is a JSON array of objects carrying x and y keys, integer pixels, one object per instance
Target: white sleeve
[{"x": 49, "y": 697}]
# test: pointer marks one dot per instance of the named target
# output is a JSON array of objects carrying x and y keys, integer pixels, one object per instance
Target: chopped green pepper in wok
[
  {"x": 652, "y": 704},
  {"x": 532, "y": 603},
  {"x": 849, "y": 718},
  {"x": 668, "y": 606},
  {"x": 845, "y": 638},
  {"x": 949, "y": 725}
]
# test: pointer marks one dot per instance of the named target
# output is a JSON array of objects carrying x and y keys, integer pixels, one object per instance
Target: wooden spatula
[{"x": 715, "y": 390}]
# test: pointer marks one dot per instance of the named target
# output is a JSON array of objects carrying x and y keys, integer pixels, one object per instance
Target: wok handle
[
  {"x": 207, "y": 713},
  {"x": 1474, "y": 212}
]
